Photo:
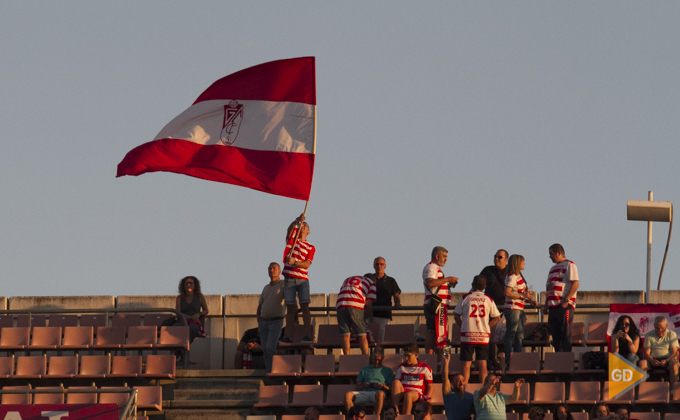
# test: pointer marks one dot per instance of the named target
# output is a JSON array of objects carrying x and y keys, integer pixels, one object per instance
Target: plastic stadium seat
[
  {"x": 95, "y": 321},
  {"x": 471, "y": 388},
  {"x": 328, "y": 338},
  {"x": 155, "y": 319},
  {"x": 578, "y": 334},
  {"x": 36, "y": 321},
  {"x": 160, "y": 366},
  {"x": 6, "y": 321},
  {"x": 62, "y": 367},
  {"x": 404, "y": 417},
  {"x": 81, "y": 398},
  {"x": 273, "y": 417},
  {"x": 335, "y": 395},
  {"x": 548, "y": 393},
  {"x": 437, "y": 396},
  {"x": 16, "y": 398},
  {"x": 398, "y": 335},
  {"x": 645, "y": 416},
  {"x": 671, "y": 416},
  {"x": 430, "y": 360},
  {"x": 529, "y": 328},
  {"x": 45, "y": 338},
  {"x": 524, "y": 364},
  {"x": 393, "y": 361},
  {"x": 110, "y": 338},
  {"x": 555, "y": 363},
  {"x": 625, "y": 399},
  {"x": 149, "y": 397},
  {"x": 584, "y": 392},
  {"x": 351, "y": 364},
  {"x": 77, "y": 338},
  {"x": 455, "y": 365},
  {"x": 273, "y": 396},
  {"x": 580, "y": 416},
  {"x": 509, "y": 388},
  {"x": 306, "y": 395},
  {"x": 126, "y": 367},
  {"x": 676, "y": 393},
  {"x": 14, "y": 338},
  {"x": 113, "y": 397},
  {"x": 583, "y": 371},
  {"x": 286, "y": 366},
  {"x": 126, "y": 320},
  {"x": 93, "y": 367},
  {"x": 63, "y": 320},
  {"x": 597, "y": 334},
  {"x": 377, "y": 417},
  {"x": 49, "y": 398},
  {"x": 174, "y": 338},
  {"x": 653, "y": 393},
  {"x": 331, "y": 417},
  {"x": 141, "y": 338},
  {"x": 434, "y": 417},
  {"x": 319, "y": 365},
  {"x": 6, "y": 367},
  {"x": 31, "y": 367}
]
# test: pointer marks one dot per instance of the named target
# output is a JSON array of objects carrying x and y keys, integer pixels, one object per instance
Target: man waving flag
[{"x": 255, "y": 128}]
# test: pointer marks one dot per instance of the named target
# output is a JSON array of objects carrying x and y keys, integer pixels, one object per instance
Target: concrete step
[
  {"x": 220, "y": 383},
  {"x": 195, "y": 394},
  {"x": 208, "y": 414}
]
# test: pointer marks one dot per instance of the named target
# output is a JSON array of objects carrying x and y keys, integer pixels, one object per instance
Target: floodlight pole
[{"x": 649, "y": 254}]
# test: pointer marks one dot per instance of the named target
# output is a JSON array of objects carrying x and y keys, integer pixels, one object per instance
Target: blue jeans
[
  {"x": 270, "y": 331},
  {"x": 293, "y": 286},
  {"x": 514, "y": 332}
]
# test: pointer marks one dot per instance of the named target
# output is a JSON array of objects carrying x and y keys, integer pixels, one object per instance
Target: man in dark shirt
[
  {"x": 495, "y": 289},
  {"x": 386, "y": 289}
]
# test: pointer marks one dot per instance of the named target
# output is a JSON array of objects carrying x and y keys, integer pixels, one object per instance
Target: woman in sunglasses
[
  {"x": 627, "y": 338},
  {"x": 536, "y": 413}
]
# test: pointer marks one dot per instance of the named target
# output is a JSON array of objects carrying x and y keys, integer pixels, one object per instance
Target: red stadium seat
[{"x": 272, "y": 396}]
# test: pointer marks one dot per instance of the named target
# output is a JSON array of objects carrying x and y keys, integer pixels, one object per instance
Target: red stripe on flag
[
  {"x": 281, "y": 173},
  {"x": 290, "y": 80}
]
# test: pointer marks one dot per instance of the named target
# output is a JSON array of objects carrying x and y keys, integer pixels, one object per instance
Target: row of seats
[
  {"x": 148, "y": 397},
  {"x": 86, "y": 320},
  {"x": 398, "y": 335},
  {"x": 545, "y": 393},
  {"x": 639, "y": 415},
  {"x": 320, "y": 366},
  {"x": 83, "y": 338},
  {"x": 91, "y": 367}
]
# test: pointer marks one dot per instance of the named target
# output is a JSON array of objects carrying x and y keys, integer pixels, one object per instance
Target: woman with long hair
[
  {"x": 601, "y": 411},
  {"x": 513, "y": 310},
  {"x": 627, "y": 338},
  {"x": 191, "y": 303}
]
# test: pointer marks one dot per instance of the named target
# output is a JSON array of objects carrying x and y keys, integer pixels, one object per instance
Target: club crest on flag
[{"x": 233, "y": 115}]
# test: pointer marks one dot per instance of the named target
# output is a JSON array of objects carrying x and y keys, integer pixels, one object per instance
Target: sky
[{"x": 470, "y": 125}]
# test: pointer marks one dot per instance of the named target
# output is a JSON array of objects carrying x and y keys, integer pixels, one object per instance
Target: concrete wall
[{"x": 61, "y": 302}]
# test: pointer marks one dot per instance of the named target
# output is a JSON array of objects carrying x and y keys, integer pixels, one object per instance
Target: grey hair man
[
  {"x": 387, "y": 289},
  {"x": 661, "y": 350},
  {"x": 373, "y": 384}
]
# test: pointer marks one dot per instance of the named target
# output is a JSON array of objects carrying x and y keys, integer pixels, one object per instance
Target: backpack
[{"x": 595, "y": 360}]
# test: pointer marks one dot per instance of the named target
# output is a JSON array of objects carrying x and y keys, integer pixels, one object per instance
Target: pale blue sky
[{"x": 471, "y": 125}]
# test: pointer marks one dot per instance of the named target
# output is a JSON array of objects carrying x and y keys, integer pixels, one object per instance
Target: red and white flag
[{"x": 255, "y": 128}]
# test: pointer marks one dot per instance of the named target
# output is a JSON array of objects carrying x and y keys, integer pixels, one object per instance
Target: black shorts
[{"x": 481, "y": 352}]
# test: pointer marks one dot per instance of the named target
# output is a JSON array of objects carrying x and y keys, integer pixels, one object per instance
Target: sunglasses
[
  {"x": 420, "y": 411},
  {"x": 541, "y": 415},
  {"x": 626, "y": 324},
  {"x": 497, "y": 257}
]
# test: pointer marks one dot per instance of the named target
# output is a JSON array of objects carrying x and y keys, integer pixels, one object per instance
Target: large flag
[{"x": 255, "y": 128}]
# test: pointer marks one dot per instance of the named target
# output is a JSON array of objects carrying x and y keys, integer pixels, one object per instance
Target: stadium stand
[
  {"x": 306, "y": 395},
  {"x": 321, "y": 366},
  {"x": 286, "y": 366},
  {"x": 350, "y": 365}
]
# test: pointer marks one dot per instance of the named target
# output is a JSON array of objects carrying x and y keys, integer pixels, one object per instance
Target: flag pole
[{"x": 297, "y": 234}]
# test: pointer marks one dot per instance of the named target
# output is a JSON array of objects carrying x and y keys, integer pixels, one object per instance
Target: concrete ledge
[
  {"x": 221, "y": 373},
  {"x": 61, "y": 302},
  {"x": 165, "y": 301},
  {"x": 3, "y": 303},
  {"x": 664, "y": 296}
]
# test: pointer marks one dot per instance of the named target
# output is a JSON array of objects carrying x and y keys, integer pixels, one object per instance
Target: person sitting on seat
[
  {"x": 627, "y": 338},
  {"x": 191, "y": 303},
  {"x": 312, "y": 413},
  {"x": 601, "y": 411},
  {"x": 562, "y": 412},
  {"x": 373, "y": 384},
  {"x": 248, "y": 347},
  {"x": 661, "y": 349},
  {"x": 356, "y": 413},
  {"x": 413, "y": 381}
]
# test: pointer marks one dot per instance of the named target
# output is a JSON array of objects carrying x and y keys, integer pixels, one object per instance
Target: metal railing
[{"x": 106, "y": 312}]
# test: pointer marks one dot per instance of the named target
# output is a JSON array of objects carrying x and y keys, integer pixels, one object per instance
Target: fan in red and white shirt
[
  {"x": 434, "y": 278},
  {"x": 355, "y": 301},
  {"x": 413, "y": 380},
  {"x": 561, "y": 288},
  {"x": 297, "y": 257},
  {"x": 476, "y": 313}
]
